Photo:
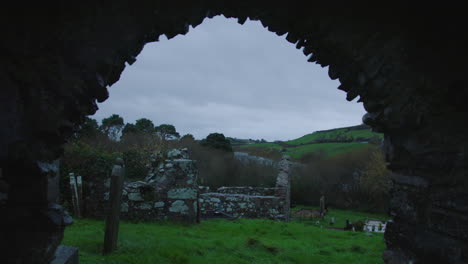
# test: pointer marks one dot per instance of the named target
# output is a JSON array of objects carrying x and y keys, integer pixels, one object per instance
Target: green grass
[
  {"x": 334, "y": 134},
  {"x": 306, "y": 144},
  {"x": 330, "y": 149},
  {"x": 224, "y": 241},
  {"x": 341, "y": 215}
]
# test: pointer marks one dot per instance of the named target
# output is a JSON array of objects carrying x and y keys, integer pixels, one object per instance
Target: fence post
[
  {"x": 74, "y": 195},
  {"x": 113, "y": 215}
]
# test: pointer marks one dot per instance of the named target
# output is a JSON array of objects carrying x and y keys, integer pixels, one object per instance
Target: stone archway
[{"x": 406, "y": 64}]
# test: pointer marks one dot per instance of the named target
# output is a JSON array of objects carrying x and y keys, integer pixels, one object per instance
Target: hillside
[{"x": 329, "y": 142}]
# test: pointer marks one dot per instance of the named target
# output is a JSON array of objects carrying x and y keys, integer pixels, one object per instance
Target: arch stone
[{"x": 406, "y": 64}]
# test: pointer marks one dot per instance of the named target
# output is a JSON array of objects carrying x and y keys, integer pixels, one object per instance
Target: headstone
[
  {"x": 74, "y": 195},
  {"x": 65, "y": 255},
  {"x": 79, "y": 187},
  {"x": 113, "y": 215},
  {"x": 322, "y": 206}
]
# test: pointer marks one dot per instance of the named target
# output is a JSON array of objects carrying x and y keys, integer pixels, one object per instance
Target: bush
[
  {"x": 357, "y": 180},
  {"x": 135, "y": 161},
  {"x": 89, "y": 161}
]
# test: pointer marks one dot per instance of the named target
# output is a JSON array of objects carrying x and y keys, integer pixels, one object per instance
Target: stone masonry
[
  {"x": 252, "y": 202},
  {"x": 406, "y": 62},
  {"x": 169, "y": 192}
]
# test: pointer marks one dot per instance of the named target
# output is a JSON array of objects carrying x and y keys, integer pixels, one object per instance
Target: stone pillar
[
  {"x": 32, "y": 224},
  {"x": 113, "y": 215},
  {"x": 428, "y": 202},
  {"x": 283, "y": 186}
]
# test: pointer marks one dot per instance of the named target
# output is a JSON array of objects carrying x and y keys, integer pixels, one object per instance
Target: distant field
[
  {"x": 335, "y": 134},
  {"x": 337, "y": 141},
  {"x": 225, "y": 242},
  {"x": 330, "y": 149},
  {"x": 263, "y": 145}
]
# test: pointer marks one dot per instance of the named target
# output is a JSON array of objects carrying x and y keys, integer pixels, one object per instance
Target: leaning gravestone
[{"x": 65, "y": 255}]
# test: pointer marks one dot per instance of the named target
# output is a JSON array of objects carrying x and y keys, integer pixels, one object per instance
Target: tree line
[{"x": 353, "y": 180}]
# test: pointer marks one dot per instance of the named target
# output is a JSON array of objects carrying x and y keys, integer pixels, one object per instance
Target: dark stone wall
[
  {"x": 242, "y": 205},
  {"x": 247, "y": 190},
  {"x": 252, "y": 202},
  {"x": 407, "y": 64},
  {"x": 169, "y": 191}
]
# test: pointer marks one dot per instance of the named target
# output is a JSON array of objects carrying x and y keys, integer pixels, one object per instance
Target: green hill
[{"x": 330, "y": 142}]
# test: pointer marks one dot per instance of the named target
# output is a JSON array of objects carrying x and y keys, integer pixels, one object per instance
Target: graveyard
[
  {"x": 231, "y": 241},
  {"x": 139, "y": 221},
  {"x": 405, "y": 62}
]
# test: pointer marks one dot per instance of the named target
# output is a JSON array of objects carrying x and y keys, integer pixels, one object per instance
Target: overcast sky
[{"x": 239, "y": 80}]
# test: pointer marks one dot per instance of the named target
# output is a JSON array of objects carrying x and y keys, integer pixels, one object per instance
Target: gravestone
[
  {"x": 113, "y": 215},
  {"x": 66, "y": 255}
]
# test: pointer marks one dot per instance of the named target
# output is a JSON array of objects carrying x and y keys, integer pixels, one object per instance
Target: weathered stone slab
[
  {"x": 66, "y": 255},
  {"x": 182, "y": 193},
  {"x": 179, "y": 206}
]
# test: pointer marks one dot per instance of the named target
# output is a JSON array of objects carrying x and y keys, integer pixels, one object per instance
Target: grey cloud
[{"x": 242, "y": 81}]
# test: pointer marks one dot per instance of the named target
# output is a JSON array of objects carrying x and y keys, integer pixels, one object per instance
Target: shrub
[
  {"x": 89, "y": 161},
  {"x": 135, "y": 161},
  {"x": 357, "y": 180}
]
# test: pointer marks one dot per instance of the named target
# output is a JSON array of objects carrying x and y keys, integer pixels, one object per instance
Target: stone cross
[
  {"x": 283, "y": 186},
  {"x": 322, "y": 206},
  {"x": 113, "y": 215}
]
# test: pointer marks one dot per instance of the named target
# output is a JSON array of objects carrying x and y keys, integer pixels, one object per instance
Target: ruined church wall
[
  {"x": 252, "y": 202},
  {"x": 247, "y": 190},
  {"x": 241, "y": 205},
  {"x": 169, "y": 192}
]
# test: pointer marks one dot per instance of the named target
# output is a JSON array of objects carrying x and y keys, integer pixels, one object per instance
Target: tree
[
  {"x": 187, "y": 140},
  {"x": 167, "y": 132},
  {"x": 89, "y": 128},
  {"x": 129, "y": 128},
  {"x": 217, "y": 141},
  {"x": 144, "y": 125},
  {"x": 187, "y": 137},
  {"x": 375, "y": 178},
  {"x": 112, "y": 126}
]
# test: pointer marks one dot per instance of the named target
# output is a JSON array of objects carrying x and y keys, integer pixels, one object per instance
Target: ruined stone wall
[
  {"x": 252, "y": 202},
  {"x": 169, "y": 192},
  {"x": 247, "y": 190},
  {"x": 241, "y": 205},
  {"x": 405, "y": 62},
  {"x": 283, "y": 186}
]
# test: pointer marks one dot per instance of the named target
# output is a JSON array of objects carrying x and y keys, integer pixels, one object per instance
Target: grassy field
[
  {"x": 309, "y": 143},
  {"x": 224, "y": 241},
  {"x": 330, "y": 149},
  {"x": 334, "y": 134}
]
